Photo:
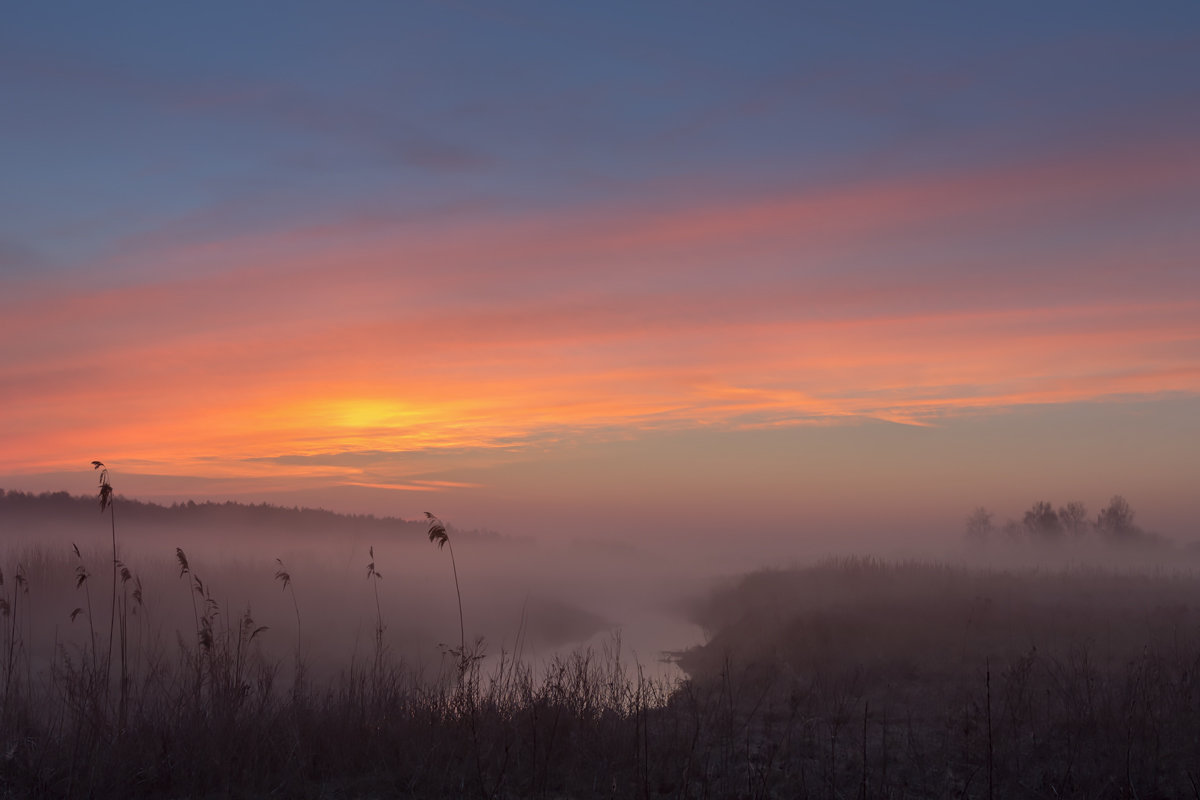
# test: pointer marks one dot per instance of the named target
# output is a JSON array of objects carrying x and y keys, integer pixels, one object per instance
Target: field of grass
[
  {"x": 860, "y": 678},
  {"x": 845, "y": 679}
]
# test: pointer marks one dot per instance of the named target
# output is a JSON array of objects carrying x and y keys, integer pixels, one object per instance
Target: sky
[{"x": 697, "y": 272}]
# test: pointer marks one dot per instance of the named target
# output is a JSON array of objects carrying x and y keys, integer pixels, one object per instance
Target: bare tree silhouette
[
  {"x": 979, "y": 525},
  {"x": 1074, "y": 518},
  {"x": 1116, "y": 521},
  {"x": 1042, "y": 522}
]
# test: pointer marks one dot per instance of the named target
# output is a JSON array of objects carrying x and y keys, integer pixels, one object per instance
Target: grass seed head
[
  {"x": 437, "y": 531},
  {"x": 106, "y": 489},
  {"x": 282, "y": 575},
  {"x": 248, "y": 629}
]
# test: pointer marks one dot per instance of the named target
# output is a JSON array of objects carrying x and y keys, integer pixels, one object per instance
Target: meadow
[{"x": 843, "y": 678}]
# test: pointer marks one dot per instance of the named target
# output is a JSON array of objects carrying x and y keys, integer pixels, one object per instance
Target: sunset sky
[{"x": 814, "y": 270}]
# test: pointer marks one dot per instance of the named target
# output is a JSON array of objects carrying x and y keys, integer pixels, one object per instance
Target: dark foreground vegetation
[
  {"x": 846, "y": 679},
  {"x": 860, "y": 678}
]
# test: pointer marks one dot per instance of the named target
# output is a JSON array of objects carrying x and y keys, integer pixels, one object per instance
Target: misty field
[{"x": 851, "y": 678}]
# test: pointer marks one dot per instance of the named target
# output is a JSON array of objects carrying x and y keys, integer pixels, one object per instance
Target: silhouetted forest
[{"x": 22, "y": 512}]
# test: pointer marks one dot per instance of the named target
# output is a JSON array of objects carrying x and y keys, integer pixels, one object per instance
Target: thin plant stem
[
  {"x": 112, "y": 615},
  {"x": 106, "y": 502},
  {"x": 81, "y": 579},
  {"x": 462, "y": 629},
  {"x": 285, "y": 577},
  {"x": 375, "y": 576},
  {"x": 439, "y": 536}
]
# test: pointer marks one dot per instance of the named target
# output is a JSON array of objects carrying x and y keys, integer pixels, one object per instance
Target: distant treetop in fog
[{"x": 1043, "y": 523}]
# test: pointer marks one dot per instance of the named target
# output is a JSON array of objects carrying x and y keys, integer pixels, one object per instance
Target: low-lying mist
[
  {"x": 252, "y": 645},
  {"x": 518, "y": 594}
]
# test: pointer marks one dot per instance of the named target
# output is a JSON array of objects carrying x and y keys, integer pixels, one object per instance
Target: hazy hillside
[
  {"x": 919, "y": 620},
  {"x": 59, "y": 515}
]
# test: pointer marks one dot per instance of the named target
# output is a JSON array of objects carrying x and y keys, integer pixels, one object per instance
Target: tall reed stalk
[
  {"x": 11, "y": 611},
  {"x": 81, "y": 581},
  {"x": 439, "y": 536},
  {"x": 105, "y": 497},
  {"x": 193, "y": 588},
  {"x": 375, "y": 576},
  {"x": 285, "y": 577}
]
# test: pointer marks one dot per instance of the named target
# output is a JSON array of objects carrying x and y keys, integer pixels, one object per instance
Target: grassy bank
[{"x": 855, "y": 678}]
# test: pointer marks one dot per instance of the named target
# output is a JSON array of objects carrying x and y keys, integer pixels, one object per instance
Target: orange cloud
[{"x": 502, "y": 334}]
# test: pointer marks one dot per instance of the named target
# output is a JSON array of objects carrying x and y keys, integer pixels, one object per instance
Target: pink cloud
[{"x": 488, "y": 331}]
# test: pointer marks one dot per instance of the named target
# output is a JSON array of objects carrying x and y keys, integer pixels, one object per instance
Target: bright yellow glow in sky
[{"x": 433, "y": 360}]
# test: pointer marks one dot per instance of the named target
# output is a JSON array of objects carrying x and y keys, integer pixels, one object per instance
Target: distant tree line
[
  {"x": 22, "y": 508},
  {"x": 1043, "y": 523}
]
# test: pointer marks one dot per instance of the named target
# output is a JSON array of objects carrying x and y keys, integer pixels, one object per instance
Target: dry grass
[{"x": 849, "y": 679}]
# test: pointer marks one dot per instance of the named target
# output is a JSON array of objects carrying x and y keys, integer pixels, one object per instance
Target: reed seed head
[
  {"x": 282, "y": 574},
  {"x": 106, "y": 489},
  {"x": 437, "y": 531}
]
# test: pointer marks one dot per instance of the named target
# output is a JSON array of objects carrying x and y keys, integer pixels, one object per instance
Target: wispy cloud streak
[{"x": 896, "y": 301}]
